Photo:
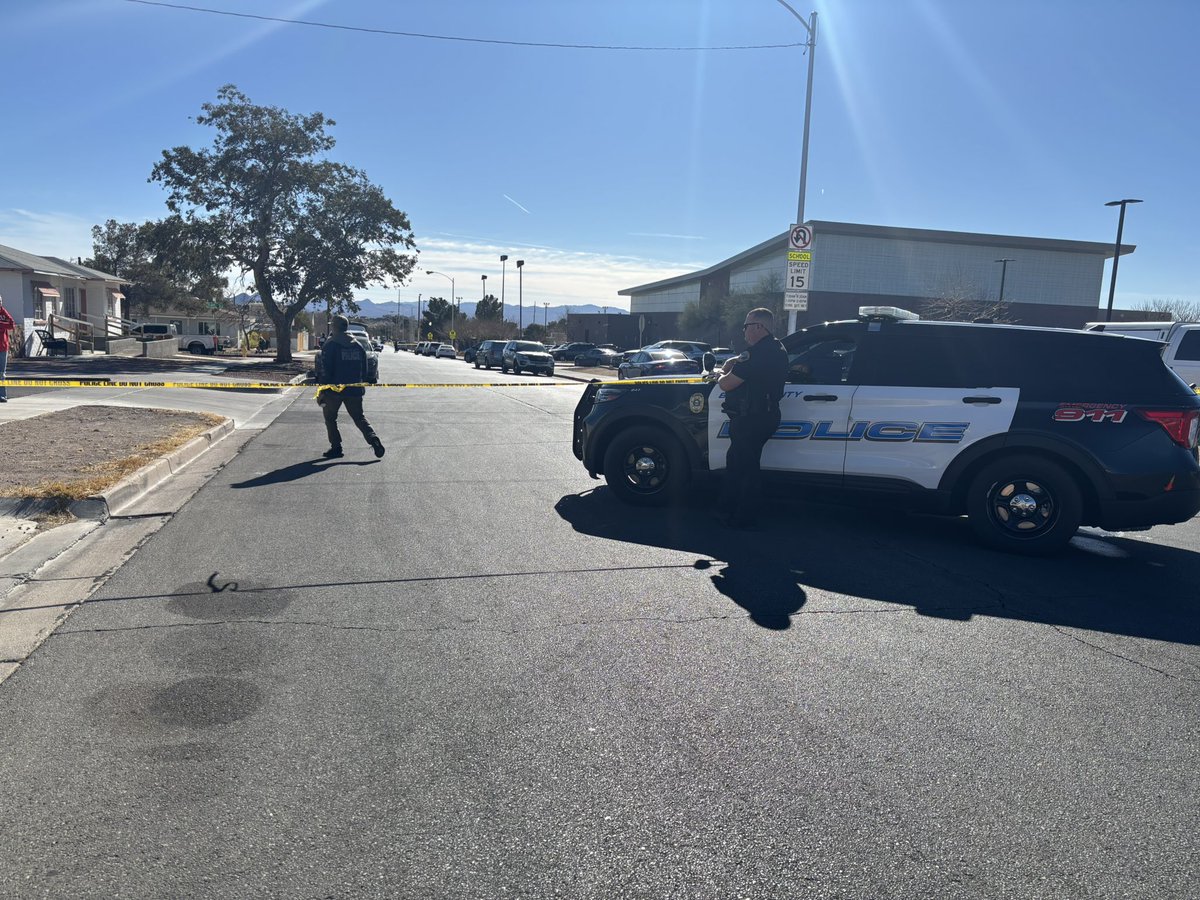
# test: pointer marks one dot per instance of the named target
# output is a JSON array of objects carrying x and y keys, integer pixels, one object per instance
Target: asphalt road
[{"x": 465, "y": 671}]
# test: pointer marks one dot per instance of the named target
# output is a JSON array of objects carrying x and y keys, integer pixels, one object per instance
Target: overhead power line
[{"x": 449, "y": 37}]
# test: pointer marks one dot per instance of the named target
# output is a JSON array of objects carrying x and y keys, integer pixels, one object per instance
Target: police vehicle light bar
[{"x": 886, "y": 313}]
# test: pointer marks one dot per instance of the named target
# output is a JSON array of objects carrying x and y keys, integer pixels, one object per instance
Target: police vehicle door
[
  {"x": 927, "y": 392},
  {"x": 814, "y": 410}
]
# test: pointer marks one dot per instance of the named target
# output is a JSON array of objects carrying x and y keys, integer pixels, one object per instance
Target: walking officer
[
  {"x": 344, "y": 361},
  {"x": 753, "y": 385}
]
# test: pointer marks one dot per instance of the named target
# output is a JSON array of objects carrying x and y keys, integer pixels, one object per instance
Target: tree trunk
[{"x": 282, "y": 320}]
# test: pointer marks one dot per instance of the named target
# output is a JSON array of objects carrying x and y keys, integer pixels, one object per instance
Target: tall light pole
[
  {"x": 811, "y": 27},
  {"x": 485, "y": 297},
  {"x": 418, "y": 317},
  {"x": 546, "y": 314},
  {"x": 503, "y": 267},
  {"x": 1003, "y": 271},
  {"x": 520, "y": 294},
  {"x": 1112, "y": 285},
  {"x": 450, "y": 278}
]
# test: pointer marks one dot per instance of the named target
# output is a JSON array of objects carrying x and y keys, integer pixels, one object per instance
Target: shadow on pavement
[
  {"x": 299, "y": 470},
  {"x": 1103, "y": 582}
]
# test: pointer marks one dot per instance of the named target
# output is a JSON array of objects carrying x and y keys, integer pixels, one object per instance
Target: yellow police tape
[{"x": 275, "y": 386}]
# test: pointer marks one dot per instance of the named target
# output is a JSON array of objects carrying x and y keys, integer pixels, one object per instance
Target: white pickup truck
[
  {"x": 192, "y": 343},
  {"x": 1182, "y": 339}
]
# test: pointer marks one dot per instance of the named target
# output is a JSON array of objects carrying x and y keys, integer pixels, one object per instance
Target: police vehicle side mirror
[{"x": 710, "y": 361}]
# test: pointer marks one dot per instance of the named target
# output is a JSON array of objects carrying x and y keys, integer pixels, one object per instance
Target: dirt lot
[{"x": 88, "y": 448}]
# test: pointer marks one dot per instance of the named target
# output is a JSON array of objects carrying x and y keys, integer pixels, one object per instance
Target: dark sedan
[
  {"x": 658, "y": 363},
  {"x": 599, "y": 356}
]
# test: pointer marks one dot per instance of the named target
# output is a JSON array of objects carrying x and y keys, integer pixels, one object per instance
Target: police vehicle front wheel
[
  {"x": 646, "y": 467},
  {"x": 1025, "y": 504}
]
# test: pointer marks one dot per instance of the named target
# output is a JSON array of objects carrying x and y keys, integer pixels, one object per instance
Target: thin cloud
[
  {"x": 655, "y": 234},
  {"x": 559, "y": 276},
  {"x": 516, "y": 204}
]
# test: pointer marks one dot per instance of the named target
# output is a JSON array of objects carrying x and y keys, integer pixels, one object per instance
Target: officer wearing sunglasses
[{"x": 753, "y": 385}]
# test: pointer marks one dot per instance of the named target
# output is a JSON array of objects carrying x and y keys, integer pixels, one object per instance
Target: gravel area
[{"x": 83, "y": 450}]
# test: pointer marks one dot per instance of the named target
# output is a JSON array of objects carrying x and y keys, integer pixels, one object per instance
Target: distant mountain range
[{"x": 371, "y": 309}]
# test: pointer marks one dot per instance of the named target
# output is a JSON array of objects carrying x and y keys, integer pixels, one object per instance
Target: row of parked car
[{"x": 654, "y": 360}]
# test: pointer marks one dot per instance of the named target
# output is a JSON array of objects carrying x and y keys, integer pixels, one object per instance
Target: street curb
[{"x": 100, "y": 507}]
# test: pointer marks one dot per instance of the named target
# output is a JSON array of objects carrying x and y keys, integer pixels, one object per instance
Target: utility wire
[{"x": 447, "y": 37}]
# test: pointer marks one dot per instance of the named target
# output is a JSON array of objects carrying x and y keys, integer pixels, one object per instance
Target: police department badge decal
[{"x": 696, "y": 403}]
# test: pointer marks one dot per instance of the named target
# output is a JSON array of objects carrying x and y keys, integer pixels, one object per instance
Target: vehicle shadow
[
  {"x": 1102, "y": 583},
  {"x": 299, "y": 470}
]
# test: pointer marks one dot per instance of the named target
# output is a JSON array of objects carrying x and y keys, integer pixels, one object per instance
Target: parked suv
[
  {"x": 1031, "y": 432},
  {"x": 568, "y": 352},
  {"x": 491, "y": 353},
  {"x": 526, "y": 356}
]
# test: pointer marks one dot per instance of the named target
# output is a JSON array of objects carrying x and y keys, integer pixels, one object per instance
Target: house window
[
  {"x": 178, "y": 323},
  {"x": 69, "y": 306},
  {"x": 206, "y": 328}
]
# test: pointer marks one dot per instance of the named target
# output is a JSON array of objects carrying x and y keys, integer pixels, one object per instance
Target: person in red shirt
[{"x": 6, "y": 327}]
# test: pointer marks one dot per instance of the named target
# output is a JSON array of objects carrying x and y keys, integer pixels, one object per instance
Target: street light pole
[
  {"x": 520, "y": 294},
  {"x": 1112, "y": 285},
  {"x": 485, "y": 297},
  {"x": 811, "y": 27},
  {"x": 503, "y": 268},
  {"x": 450, "y": 278},
  {"x": 1003, "y": 271},
  {"x": 546, "y": 314}
]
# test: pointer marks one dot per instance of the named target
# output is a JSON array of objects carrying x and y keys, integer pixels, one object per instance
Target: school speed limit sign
[{"x": 797, "y": 274}]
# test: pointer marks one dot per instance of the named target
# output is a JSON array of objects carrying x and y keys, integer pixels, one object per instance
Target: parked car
[
  {"x": 377, "y": 343},
  {"x": 469, "y": 353},
  {"x": 491, "y": 353},
  {"x": 600, "y": 356},
  {"x": 720, "y": 354},
  {"x": 568, "y": 352},
  {"x": 446, "y": 351},
  {"x": 1029, "y": 432},
  {"x": 526, "y": 356},
  {"x": 691, "y": 349},
  {"x": 431, "y": 348},
  {"x": 657, "y": 364}
]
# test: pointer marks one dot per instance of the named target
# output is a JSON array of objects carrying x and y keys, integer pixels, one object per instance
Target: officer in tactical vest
[
  {"x": 753, "y": 385},
  {"x": 344, "y": 361}
]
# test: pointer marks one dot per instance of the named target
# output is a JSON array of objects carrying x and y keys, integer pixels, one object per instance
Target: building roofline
[{"x": 851, "y": 229}]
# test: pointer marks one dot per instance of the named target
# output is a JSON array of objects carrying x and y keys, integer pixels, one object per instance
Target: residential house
[{"x": 83, "y": 302}]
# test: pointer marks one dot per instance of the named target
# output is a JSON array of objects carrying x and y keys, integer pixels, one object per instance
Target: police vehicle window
[
  {"x": 823, "y": 356},
  {"x": 930, "y": 355},
  {"x": 1189, "y": 347}
]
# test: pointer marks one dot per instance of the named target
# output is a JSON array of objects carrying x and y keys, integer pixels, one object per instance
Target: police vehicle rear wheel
[
  {"x": 646, "y": 467},
  {"x": 1025, "y": 504}
]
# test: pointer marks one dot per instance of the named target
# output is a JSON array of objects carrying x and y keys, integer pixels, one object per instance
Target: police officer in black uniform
[
  {"x": 344, "y": 361},
  {"x": 753, "y": 385}
]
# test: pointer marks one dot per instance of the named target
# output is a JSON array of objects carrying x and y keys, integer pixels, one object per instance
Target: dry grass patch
[{"x": 80, "y": 452}]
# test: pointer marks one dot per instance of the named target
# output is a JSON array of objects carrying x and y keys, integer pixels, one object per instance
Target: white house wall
[{"x": 12, "y": 289}]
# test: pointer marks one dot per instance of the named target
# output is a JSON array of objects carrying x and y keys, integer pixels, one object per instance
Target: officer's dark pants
[
  {"x": 331, "y": 402},
  {"x": 741, "y": 494}
]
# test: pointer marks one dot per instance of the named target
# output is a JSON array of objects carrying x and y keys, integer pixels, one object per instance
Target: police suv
[{"x": 1030, "y": 432}]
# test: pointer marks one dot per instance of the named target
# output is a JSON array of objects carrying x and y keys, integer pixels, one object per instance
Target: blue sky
[{"x": 605, "y": 169}]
